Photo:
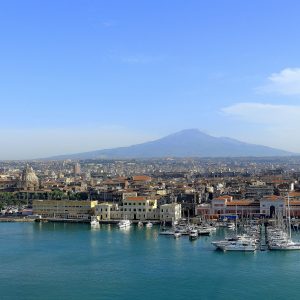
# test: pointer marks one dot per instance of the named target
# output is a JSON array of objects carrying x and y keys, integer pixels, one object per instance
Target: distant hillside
[{"x": 186, "y": 143}]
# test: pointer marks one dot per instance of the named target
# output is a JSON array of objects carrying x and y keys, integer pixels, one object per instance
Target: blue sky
[{"x": 85, "y": 75}]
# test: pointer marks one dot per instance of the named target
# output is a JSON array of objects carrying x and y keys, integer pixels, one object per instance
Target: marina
[
  {"x": 141, "y": 247},
  {"x": 127, "y": 262}
]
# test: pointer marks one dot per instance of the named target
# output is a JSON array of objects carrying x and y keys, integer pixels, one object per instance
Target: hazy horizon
[{"x": 79, "y": 76}]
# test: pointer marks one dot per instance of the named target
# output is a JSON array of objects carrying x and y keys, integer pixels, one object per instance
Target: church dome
[{"x": 29, "y": 180}]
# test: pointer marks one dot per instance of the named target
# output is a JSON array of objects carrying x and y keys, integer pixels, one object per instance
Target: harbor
[
  {"x": 135, "y": 262},
  {"x": 244, "y": 235}
]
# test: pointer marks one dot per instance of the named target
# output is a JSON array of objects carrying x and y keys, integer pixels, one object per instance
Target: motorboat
[
  {"x": 140, "y": 224},
  {"x": 239, "y": 245},
  {"x": 193, "y": 234},
  {"x": 233, "y": 239},
  {"x": 149, "y": 224},
  {"x": 165, "y": 231},
  {"x": 231, "y": 226},
  {"x": 124, "y": 223},
  {"x": 177, "y": 235},
  {"x": 94, "y": 222},
  {"x": 203, "y": 231}
]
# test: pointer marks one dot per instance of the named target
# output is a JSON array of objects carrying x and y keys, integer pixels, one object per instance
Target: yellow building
[
  {"x": 170, "y": 212},
  {"x": 102, "y": 211},
  {"x": 64, "y": 209},
  {"x": 140, "y": 208}
]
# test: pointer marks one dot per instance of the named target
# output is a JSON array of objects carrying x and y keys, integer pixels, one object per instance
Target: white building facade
[
  {"x": 139, "y": 208},
  {"x": 170, "y": 212}
]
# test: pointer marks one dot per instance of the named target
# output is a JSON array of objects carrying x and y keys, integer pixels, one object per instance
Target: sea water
[{"x": 73, "y": 261}]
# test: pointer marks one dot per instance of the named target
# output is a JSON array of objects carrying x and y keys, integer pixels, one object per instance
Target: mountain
[{"x": 186, "y": 143}]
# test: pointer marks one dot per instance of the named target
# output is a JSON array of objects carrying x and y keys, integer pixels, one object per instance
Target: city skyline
[{"x": 81, "y": 76}]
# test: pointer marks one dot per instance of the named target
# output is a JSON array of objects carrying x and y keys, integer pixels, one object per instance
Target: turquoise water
[{"x": 71, "y": 261}]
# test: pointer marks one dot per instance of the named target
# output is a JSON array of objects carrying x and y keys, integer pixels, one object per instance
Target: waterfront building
[
  {"x": 273, "y": 206},
  {"x": 203, "y": 211},
  {"x": 140, "y": 208},
  {"x": 243, "y": 208},
  {"x": 225, "y": 205},
  {"x": 218, "y": 205},
  {"x": 270, "y": 206},
  {"x": 103, "y": 211},
  {"x": 170, "y": 212},
  {"x": 64, "y": 209}
]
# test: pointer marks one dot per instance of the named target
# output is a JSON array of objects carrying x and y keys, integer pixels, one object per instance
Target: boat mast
[
  {"x": 289, "y": 217},
  {"x": 236, "y": 219}
]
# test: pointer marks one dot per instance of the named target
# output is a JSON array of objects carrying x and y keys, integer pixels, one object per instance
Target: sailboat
[
  {"x": 280, "y": 240},
  {"x": 243, "y": 242}
]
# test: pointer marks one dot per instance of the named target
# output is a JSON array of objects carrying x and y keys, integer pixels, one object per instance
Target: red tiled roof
[
  {"x": 240, "y": 203},
  {"x": 136, "y": 198},
  {"x": 272, "y": 198},
  {"x": 294, "y": 194},
  {"x": 141, "y": 178}
]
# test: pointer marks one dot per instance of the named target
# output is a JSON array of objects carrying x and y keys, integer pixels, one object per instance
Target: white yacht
[
  {"x": 287, "y": 244},
  {"x": 94, "y": 222},
  {"x": 177, "y": 235},
  {"x": 280, "y": 238},
  {"x": 165, "y": 231},
  {"x": 193, "y": 234},
  {"x": 202, "y": 230},
  {"x": 231, "y": 240},
  {"x": 239, "y": 245},
  {"x": 149, "y": 224},
  {"x": 124, "y": 223},
  {"x": 231, "y": 226}
]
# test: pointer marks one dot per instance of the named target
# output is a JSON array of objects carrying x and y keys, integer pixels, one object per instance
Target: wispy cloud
[
  {"x": 140, "y": 59},
  {"x": 109, "y": 23},
  {"x": 286, "y": 82},
  {"x": 273, "y": 125},
  {"x": 261, "y": 113}
]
